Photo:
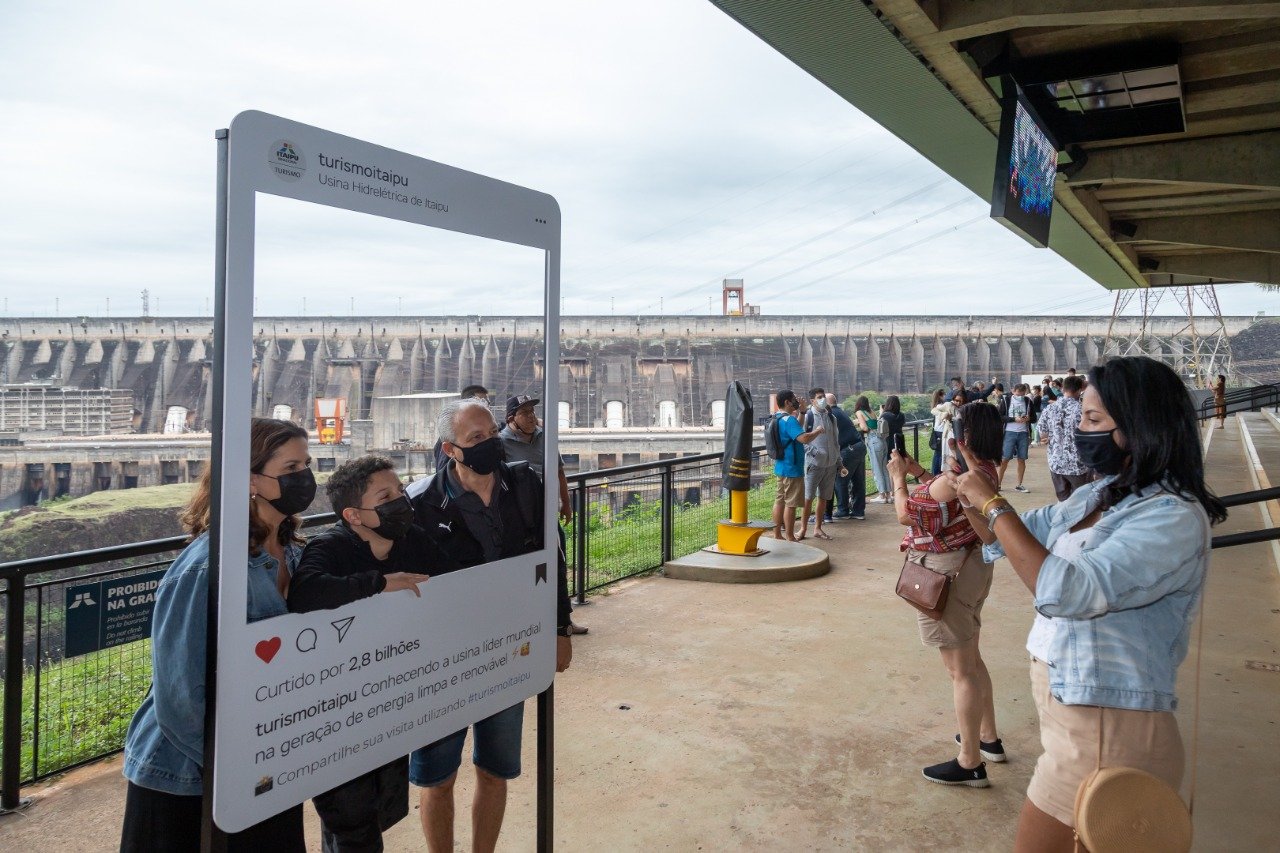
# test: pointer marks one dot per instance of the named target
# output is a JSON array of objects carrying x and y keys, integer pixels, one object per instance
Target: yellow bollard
[{"x": 737, "y": 535}]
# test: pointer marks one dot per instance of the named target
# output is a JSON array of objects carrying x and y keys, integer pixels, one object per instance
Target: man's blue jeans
[{"x": 851, "y": 491}]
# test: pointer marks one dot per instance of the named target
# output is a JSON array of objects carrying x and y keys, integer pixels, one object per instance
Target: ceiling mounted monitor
[{"x": 1026, "y": 166}]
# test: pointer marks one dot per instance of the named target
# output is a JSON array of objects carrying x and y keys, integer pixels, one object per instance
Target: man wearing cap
[{"x": 522, "y": 439}]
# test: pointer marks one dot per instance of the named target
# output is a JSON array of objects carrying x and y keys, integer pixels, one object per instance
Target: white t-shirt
[{"x": 1068, "y": 546}]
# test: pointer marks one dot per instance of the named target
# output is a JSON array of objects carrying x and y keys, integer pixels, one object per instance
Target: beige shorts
[
  {"x": 790, "y": 492},
  {"x": 1147, "y": 740},
  {"x": 963, "y": 616}
]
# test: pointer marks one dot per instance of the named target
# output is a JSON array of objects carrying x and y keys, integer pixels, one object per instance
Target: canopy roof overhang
[{"x": 1199, "y": 205}]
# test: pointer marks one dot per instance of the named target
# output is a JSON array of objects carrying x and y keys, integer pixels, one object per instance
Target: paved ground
[{"x": 797, "y": 716}]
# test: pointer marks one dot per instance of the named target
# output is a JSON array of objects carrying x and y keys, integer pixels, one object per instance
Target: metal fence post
[
  {"x": 668, "y": 513},
  {"x": 915, "y": 441},
  {"x": 11, "y": 739},
  {"x": 580, "y": 517},
  {"x": 546, "y": 769}
]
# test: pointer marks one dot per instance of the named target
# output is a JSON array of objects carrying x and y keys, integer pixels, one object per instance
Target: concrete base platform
[{"x": 785, "y": 561}]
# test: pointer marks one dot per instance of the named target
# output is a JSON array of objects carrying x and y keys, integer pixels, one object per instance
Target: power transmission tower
[
  {"x": 146, "y": 304},
  {"x": 1193, "y": 340}
]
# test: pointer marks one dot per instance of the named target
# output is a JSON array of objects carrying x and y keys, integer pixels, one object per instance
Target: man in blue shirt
[{"x": 789, "y": 467}]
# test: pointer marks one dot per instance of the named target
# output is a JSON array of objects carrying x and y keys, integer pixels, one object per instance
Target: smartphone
[
  {"x": 900, "y": 444},
  {"x": 957, "y": 432}
]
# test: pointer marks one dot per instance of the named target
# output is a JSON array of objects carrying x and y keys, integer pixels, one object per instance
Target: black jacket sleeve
[{"x": 328, "y": 575}]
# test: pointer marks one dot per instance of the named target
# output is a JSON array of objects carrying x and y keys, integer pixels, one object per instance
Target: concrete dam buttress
[{"x": 614, "y": 372}]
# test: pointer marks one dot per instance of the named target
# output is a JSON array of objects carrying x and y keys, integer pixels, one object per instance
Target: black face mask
[
  {"x": 483, "y": 458},
  {"x": 394, "y": 518},
  {"x": 1099, "y": 452},
  {"x": 297, "y": 490}
]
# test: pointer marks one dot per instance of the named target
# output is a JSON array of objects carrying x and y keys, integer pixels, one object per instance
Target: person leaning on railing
[
  {"x": 164, "y": 747},
  {"x": 1117, "y": 571},
  {"x": 942, "y": 540}
]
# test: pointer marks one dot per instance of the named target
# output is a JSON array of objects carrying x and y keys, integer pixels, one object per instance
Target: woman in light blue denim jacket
[
  {"x": 164, "y": 748},
  {"x": 1117, "y": 570}
]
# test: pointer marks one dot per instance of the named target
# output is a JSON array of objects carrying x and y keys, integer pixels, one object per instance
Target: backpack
[{"x": 773, "y": 443}]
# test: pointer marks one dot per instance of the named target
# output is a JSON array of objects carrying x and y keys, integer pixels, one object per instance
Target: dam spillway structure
[{"x": 614, "y": 372}]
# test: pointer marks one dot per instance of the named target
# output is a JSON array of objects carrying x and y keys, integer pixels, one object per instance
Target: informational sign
[
  {"x": 306, "y": 702},
  {"x": 110, "y": 613}
]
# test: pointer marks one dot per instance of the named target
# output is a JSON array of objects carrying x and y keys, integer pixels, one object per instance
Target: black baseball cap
[{"x": 514, "y": 403}]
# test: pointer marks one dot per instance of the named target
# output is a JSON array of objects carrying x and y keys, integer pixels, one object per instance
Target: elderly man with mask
[{"x": 479, "y": 508}]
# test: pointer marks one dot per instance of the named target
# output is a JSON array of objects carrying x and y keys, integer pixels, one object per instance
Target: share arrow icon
[{"x": 342, "y": 626}]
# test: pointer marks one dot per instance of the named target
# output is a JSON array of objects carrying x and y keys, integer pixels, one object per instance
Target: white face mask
[{"x": 821, "y": 405}]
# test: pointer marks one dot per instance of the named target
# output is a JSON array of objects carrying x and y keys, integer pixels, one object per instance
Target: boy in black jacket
[{"x": 374, "y": 547}]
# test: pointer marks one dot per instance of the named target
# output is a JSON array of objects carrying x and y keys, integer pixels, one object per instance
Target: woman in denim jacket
[
  {"x": 1116, "y": 570},
  {"x": 164, "y": 749}
]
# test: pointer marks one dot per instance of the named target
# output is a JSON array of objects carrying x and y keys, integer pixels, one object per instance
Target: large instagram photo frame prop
[{"x": 261, "y": 153}]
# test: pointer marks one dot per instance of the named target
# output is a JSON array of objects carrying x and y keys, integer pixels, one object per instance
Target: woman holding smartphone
[
  {"x": 164, "y": 748},
  {"x": 1116, "y": 571},
  {"x": 942, "y": 539}
]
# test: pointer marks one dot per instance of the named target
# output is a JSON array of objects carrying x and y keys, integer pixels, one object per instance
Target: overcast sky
[{"x": 681, "y": 148}]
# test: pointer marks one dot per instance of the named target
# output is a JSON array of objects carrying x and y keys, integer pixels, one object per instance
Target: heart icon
[{"x": 267, "y": 649}]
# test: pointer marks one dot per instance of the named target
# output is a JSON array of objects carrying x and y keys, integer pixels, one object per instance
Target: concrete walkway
[{"x": 797, "y": 716}]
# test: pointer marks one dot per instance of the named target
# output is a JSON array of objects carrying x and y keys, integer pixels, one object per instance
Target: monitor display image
[{"x": 1026, "y": 165}]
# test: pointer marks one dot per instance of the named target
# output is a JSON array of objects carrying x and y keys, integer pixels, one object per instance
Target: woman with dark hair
[
  {"x": 869, "y": 426},
  {"x": 164, "y": 748},
  {"x": 891, "y": 423},
  {"x": 942, "y": 539},
  {"x": 1116, "y": 570}
]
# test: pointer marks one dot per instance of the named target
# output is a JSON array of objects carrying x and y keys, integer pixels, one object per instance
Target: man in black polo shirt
[
  {"x": 374, "y": 547},
  {"x": 480, "y": 509}
]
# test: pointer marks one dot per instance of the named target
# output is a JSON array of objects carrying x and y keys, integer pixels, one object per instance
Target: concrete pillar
[
  {"x": 917, "y": 365},
  {"x": 806, "y": 362},
  {"x": 1048, "y": 357},
  {"x": 962, "y": 359},
  {"x": 564, "y": 414},
  {"x": 175, "y": 421},
  {"x": 893, "y": 381},
  {"x": 940, "y": 376},
  {"x": 613, "y": 415},
  {"x": 871, "y": 380},
  {"x": 827, "y": 365},
  {"x": 489, "y": 365},
  {"x": 851, "y": 363},
  {"x": 439, "y": 361},
  {"x": 1005, "y": 361},
  {"x": 717, "y": 413},
  {"x": 466, "y": 363}
]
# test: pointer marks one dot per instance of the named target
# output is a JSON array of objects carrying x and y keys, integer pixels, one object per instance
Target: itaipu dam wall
[{"x": 615, "y": 372}]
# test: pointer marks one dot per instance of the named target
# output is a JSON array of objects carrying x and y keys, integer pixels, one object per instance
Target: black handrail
[{"x": 1241, "y": 400}]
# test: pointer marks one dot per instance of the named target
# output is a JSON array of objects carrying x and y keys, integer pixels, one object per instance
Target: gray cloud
[{"x": 681, "y": 148}]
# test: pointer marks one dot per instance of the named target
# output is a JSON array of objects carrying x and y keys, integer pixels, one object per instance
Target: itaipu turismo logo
[{"x": 286, "y": 161}]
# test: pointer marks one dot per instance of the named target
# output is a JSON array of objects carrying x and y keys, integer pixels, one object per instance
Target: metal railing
[
  {"x": 1241, "y": 400},
  {"x": 60, "y": 713}
]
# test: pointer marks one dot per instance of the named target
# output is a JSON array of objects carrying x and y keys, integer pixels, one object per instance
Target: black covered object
[{"x": 739, "y": 424}]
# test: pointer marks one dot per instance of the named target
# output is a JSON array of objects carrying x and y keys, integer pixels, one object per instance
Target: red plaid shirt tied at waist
[{"x": 939, "y": 527}]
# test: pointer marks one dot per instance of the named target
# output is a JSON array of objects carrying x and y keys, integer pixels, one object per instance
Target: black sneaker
[
  {"x": 993, "y": 752},
  {"x": 951, "y": 773},
  {"x": 1021, "y": 488}
]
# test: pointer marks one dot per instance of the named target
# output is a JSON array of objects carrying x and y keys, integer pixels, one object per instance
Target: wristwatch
[
  {"x": 566, "y": 631},
  {"x": 996, "y": 513}
]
